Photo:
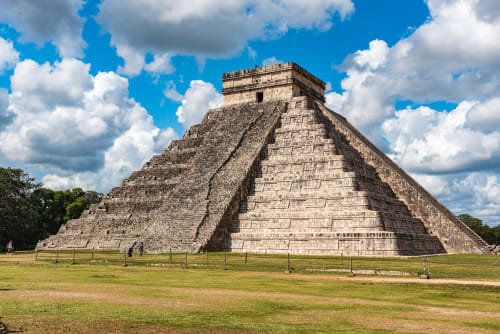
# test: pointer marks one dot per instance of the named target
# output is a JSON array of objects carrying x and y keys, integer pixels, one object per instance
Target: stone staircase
[
  {"x": 309, "y": 196},
  {"x": 271, "y": 171},
  {"x": 178, "y": 197},
  {"x": 455, "y": 236},
  {"x": 282, "y": 179}
]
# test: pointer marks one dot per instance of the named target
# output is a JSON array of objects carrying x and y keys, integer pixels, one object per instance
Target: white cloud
[
  {"x": 128, "y": 153},
  {"x": 199, "y": 97},
  {"x": 80, "y": 129},
  {"x": 477, "y": 194},
  {"x": 454, "y": 57},
  {"x": 485, "y": 116},
  {"x": 374, "y": 57},
  {"x": 161, "y": 65},
  {"x": 6, "y": 116},
  {"x": 49, "y": 86},
  {"x": 271, "y": 61},
  {"x": 163, "y": 138},
  {"x": 435, "y": 184},
  {"x": 171, "y": 92},
  {"x": 8, "y": 55},
  {"x": 427, "y": 141},
  {"x": 252, "y": 54},
  {"x": 41, "y": 21},
  {"x": 207, "y": 28},
  {"x": 133, "y": 61}
]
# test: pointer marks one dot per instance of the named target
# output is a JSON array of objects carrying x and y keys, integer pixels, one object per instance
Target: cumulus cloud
[
  {"x": 271, "y": 61},
  {"x": 8, "y": 55},
  {"x": 451, "y": 156},
  {"x": 41, "y": 21},
  {"x": 199, "y": 97},
  {"x": 485, "y": 116},
  {"x": 477, "y": 194},
  {"x": 207, "y": 28},
  {"x": 80, "y": 129},
  {"x": 427, "y": 141},
  {"x": 454, "y": 57}
]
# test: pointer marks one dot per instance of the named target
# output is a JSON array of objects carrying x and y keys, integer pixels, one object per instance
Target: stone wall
[
  {"x": 172, "y": 201},
  {"x": 276, "y": 82},
  {"x": 314, "y": 194},
  {"x": 282, "y": 176},
  {"x": 284, "y": 91},
  {"x": 455, "y": 236}
]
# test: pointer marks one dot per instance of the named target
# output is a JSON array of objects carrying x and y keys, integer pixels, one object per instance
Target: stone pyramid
[{"x": 272, "y": 170}]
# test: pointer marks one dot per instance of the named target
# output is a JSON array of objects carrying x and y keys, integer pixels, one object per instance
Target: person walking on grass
[
  {"x": 10, "y": 247},
  {"x": 141, "y": 248}
]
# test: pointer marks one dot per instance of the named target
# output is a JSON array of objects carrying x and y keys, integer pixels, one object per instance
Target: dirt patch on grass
[
  {"x": 61, "y": 325},
  {"x": 381, "y": 279},
  {"x": 17, "y": 258},
  {"x": 108, "y": 298},
  {"x": 275, "y": 295},
  {"x": 415, "y": 325},
  {"x": 461, "y": 313},
  {"x": 181, "y": 298},
  {"x": 193, "y": 298},
  {"x": 306, "y": 317},
  {"x": 397, "y": 321}
]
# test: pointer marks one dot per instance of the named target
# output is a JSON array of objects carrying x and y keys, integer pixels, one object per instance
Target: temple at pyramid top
[
  {"x": 271, "y": 83},
  {"x": 272, "y": 170}
]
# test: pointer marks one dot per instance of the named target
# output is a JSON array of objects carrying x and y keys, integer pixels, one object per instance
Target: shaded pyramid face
[
  {"x": 275, "y": 171},
  {"x": 178, "y": 199}
]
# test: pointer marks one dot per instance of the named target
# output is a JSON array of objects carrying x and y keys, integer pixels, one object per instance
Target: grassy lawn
[{"x": 102, "y": 296}]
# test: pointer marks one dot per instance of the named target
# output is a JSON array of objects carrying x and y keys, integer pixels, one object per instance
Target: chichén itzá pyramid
[{"x": 272, "y": 170}]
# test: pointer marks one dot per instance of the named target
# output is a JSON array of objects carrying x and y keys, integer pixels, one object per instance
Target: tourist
[
  {"x": 10, "y": 247},
  {"x": 131, "y": 249},
  {"x": 141, "y": 248}
]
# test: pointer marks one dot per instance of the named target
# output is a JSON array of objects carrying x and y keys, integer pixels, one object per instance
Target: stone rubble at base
[{"x": 273, "y": 170}]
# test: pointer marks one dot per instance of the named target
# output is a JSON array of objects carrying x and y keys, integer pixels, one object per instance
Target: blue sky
[{"x": 89, "y": 90}]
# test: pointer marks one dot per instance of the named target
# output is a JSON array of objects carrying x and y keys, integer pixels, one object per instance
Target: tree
[
  {"x": 17, "y": 217},
  {"x": 57, "y": 207},
  {"x": 29, "y": 213},
  {"x": 82, "y": 202},
  {"x": 50, "y": 206},
  {"x": 489, "y": 234}
]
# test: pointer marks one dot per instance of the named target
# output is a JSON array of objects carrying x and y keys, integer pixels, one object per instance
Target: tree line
[{"x": 30, "y": 212}]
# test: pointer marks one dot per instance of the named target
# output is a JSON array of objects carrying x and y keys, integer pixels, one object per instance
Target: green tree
[
  {"x": 29, "y": 213},
  {"x": 489, "y": 234},
  {"x": 18, "y": 219},
  {"x": 75, "y": 209},
  {"x": 55, "y": 208},
  {"x": 50, "y": 206},
  {"x": 82, "y": 201}
]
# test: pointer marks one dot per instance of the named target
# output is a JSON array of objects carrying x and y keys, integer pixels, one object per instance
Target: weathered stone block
[{"x": 271, "y": 170}]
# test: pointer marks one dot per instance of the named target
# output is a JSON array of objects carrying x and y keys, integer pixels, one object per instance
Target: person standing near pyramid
[{"x": 10, "y": 247}]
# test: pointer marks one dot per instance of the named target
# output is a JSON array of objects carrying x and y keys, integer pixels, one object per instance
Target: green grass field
[{"x": 103, "y": 296}]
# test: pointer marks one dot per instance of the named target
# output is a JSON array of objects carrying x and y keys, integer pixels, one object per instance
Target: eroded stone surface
[{"x": 282, "y": 175}]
